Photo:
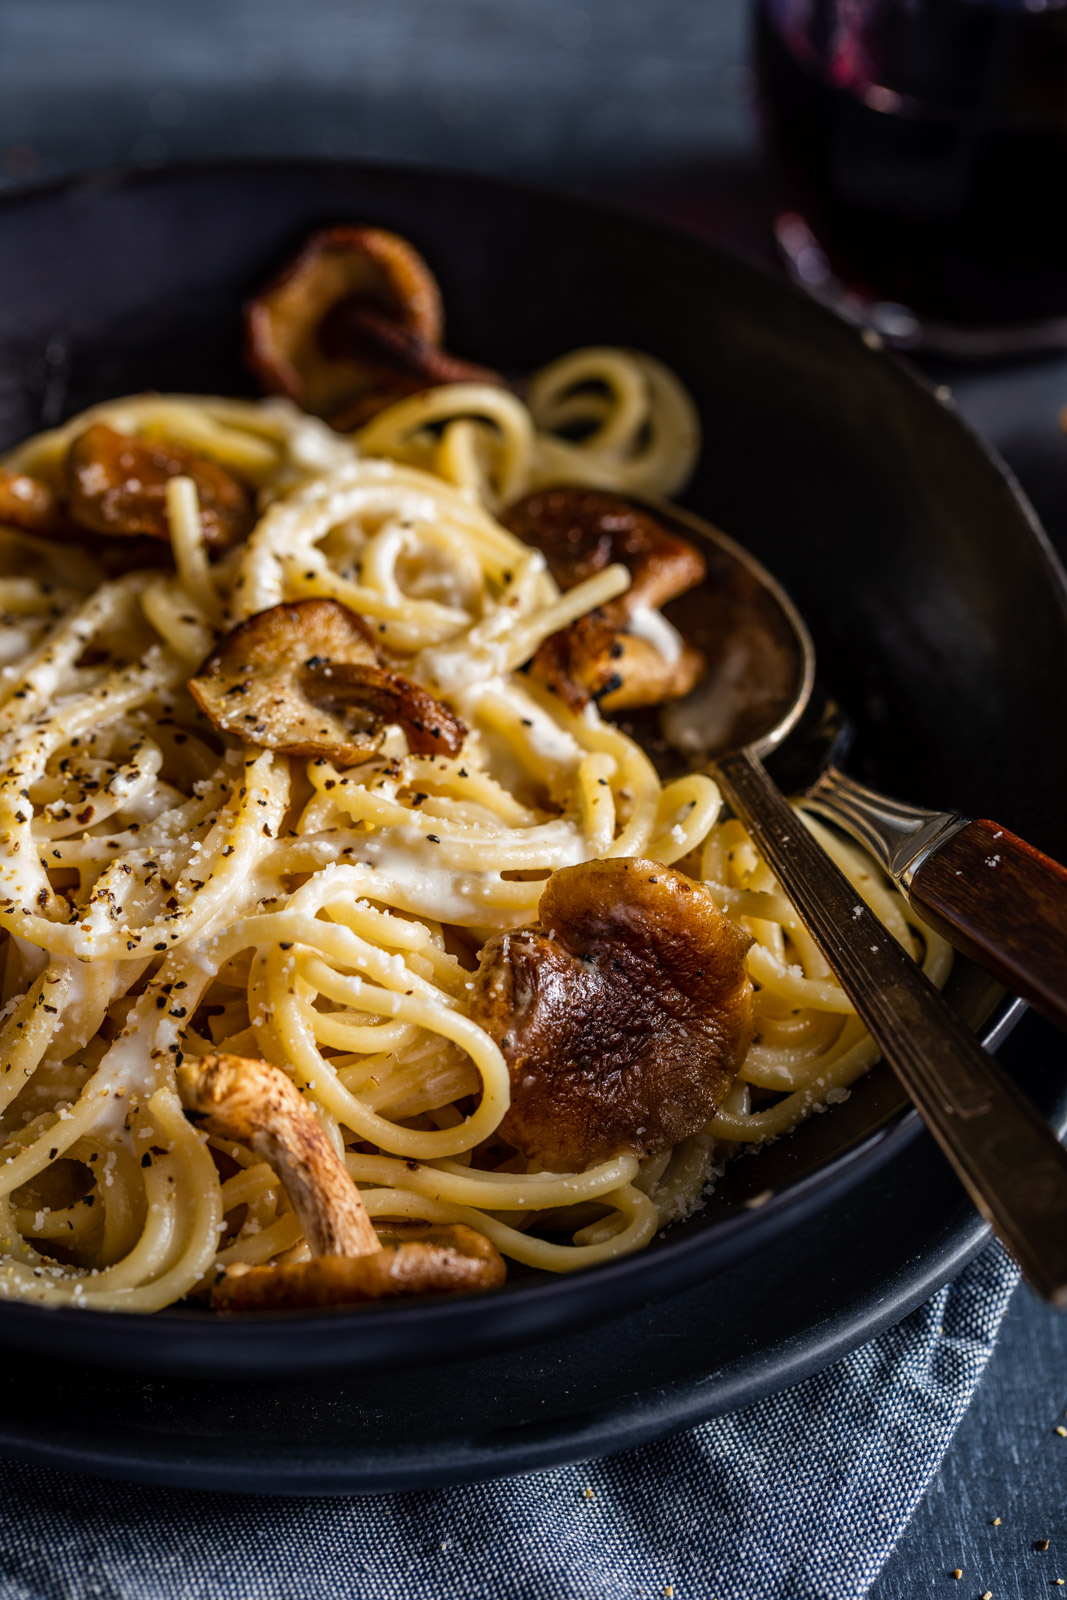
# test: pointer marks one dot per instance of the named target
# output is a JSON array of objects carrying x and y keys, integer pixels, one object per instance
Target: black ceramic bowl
[{"x": 938, "y": 611}]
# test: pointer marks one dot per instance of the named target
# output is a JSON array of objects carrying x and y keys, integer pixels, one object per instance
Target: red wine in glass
[{"x": 922, "y": 150}]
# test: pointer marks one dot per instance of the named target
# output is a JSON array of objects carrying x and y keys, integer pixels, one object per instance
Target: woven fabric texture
[{"x": 801, "y": 1496}]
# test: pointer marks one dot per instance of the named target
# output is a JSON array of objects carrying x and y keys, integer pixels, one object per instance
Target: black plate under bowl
[
  {"x": 937, "y": 609},
  {"x": 807, "y": 1297}
]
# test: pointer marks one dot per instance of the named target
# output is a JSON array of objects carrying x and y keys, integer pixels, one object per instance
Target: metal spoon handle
[{"x": 1007, "y": 1158}]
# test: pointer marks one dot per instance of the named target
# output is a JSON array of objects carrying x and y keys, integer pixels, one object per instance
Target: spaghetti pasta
[{"x": 165, "y": 893}]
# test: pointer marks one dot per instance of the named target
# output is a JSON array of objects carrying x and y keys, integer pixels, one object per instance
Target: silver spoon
[{"x": 759, "y": 685}]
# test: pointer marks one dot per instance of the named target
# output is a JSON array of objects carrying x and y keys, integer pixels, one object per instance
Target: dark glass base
[{"x": 897, "y": 325}]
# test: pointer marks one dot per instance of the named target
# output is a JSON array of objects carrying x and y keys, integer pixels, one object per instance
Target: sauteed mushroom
[
  {"x": 425, "y": 1258},
  {"x": 256, "y": 1105},
  {"x": 623, "y": 1018},
  {"x": 352, "y": 324},
  {"x": 582, "y": 531},
  {"x": 616, "y": 655},
  {"x": 306, "y": 678},
  {"x": 405, "y": 362},
  {"x": 598, "y": 658},
  {"x": 118, "y": 485},
  {"x": 30, "y": 505}
]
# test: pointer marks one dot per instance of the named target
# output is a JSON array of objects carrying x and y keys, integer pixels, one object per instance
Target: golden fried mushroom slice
[
  {"x": 623, "y": 1019},
  {"x": 352, "y": 324},
  {"x": 306, "y": 678},
  {"x": 427, "y": 1259},
  {"x": 255, "y": 1104},
  {"x": 598, "y": 658},
  {"x": 602, "y": 656},
  {"x": 31, "y": 506},
  {"x": 118, "y": 485}
]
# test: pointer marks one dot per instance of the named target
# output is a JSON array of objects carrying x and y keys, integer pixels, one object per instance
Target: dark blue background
[{"x": 647, "y": 102}]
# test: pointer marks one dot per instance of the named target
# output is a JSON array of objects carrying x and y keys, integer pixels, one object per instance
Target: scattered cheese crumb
[
  {"x": 988, "y": 1595},
  {"x": 588, "y": 1493},
  {"x": 996, "y": 1522},
  {"x": 1062, "y": 1431},
  {"x": 958, "y": 1573},
  {"x": 669, "y": 1591}
]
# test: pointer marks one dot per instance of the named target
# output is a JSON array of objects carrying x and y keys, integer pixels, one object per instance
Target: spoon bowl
[{"x": 760, "y": 657}]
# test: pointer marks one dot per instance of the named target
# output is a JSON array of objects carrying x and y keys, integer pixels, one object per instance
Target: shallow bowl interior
[{"x": 937, "y": 610}]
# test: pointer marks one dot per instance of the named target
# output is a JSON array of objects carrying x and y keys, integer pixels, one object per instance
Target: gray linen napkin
[{"x": 801, "y": 1496}]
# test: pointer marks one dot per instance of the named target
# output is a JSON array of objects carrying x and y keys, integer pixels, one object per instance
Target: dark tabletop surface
[{"x": 647, "y": 102}]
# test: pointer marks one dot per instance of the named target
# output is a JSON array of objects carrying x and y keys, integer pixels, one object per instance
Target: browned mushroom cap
[
  {"x": 596, "y": 658},
  {"x": 352, "y": 324},
  {"x": 30, "y": 505},
  {"x": 118, "y": 485},
  {"x": 624, "y": 1022},
  {"x": 305, "y": 678},
  {"x": 424, "y": 1259},
  {"x": 581, "y": 531},
  {"x": 256, "y": 1105}
]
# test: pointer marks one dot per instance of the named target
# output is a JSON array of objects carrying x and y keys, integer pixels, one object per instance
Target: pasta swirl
[{"x": 165, "y": 893}]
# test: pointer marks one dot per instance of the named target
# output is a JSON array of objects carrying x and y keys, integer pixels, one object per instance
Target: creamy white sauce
[
  {"x": 653, "y": 627},
  {"x": 455, "y": 667},
  {"x": 14, "y": 643},
  {"x": 33, "y": 959},
  {"x": 544, "y": 737},
  {"x": 420, "y": 883},
  {"x": 313, "y": 446}
]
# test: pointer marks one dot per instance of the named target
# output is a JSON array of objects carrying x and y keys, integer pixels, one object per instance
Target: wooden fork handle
[{"x": 1004, "y": 904}]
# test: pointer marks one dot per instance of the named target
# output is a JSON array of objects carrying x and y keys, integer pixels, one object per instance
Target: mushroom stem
[
  {"x": 255, "y": 1104},
  {"x": 420, "y": 1259}
]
